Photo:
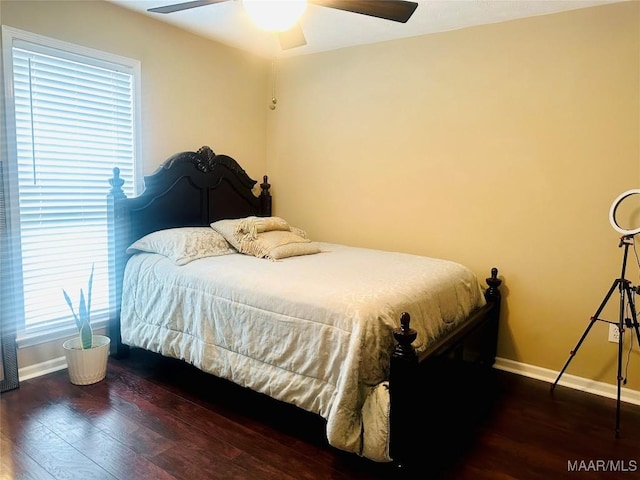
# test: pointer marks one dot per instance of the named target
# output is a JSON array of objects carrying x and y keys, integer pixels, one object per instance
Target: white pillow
[{"x": 183, "y": 244}]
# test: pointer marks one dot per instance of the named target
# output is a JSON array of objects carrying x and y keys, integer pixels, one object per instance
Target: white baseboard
[
  {"x": 42, "y": 368},
  {"x": 578, "y": 383}
]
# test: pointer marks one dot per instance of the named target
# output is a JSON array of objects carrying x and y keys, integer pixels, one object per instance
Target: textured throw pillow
[
  {"x": 265, "y": 237},
  {"x": 235, "y": 230},
  {"x": 255, "y": 225},
  {"x": 263, "y": 243},
  {"x": 183, "y": 245},
  {"x": 229, "y": 230},
  {"x": 293, "y": 250},
  {"x": 299, "y": 232}
]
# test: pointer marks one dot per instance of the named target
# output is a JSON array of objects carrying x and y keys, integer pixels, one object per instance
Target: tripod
[{"x": 626, "y": 299}]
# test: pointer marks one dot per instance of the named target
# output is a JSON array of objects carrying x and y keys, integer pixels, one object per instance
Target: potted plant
[{"x": 87, "y": 353}]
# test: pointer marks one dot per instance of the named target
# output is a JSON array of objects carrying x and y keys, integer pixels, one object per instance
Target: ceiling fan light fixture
[{"x": 275, "y": 15}]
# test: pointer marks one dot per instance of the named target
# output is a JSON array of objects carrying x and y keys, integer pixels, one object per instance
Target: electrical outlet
[{"x": 614, "y": 333}]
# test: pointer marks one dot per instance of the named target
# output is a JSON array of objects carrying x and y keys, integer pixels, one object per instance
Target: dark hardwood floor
[{"x": 155, "y": 418}]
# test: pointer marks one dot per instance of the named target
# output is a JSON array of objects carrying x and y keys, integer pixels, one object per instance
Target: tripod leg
[
  {"x": 621, "y": 325},
  {"x": 629, "y": 296},
  {"x": 635, "y": 326},
  {"x": 595, "y": 317},
  {"x": 634, "y": 317}
]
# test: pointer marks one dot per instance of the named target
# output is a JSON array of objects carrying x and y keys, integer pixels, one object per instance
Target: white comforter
[{"x": 314, "y": 331}]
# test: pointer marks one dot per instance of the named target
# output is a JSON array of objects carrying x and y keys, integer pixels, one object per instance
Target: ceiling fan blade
[
  {"x": 292, "y": 38},
  {"x": 176, "y": 7},
  {"x": 395, "y": 10}
]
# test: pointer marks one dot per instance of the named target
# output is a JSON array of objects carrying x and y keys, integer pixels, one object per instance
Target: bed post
[
  {"x": 494, "y": 297},
  {"x": 479, "y": 341},
  {"x": 402, "y": 381},
  {"x": 265, "y": 198},
  {"x": 117, "y": 232}
]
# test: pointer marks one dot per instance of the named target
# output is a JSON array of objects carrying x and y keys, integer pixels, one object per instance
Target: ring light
[{"x": 614, "y": 207}]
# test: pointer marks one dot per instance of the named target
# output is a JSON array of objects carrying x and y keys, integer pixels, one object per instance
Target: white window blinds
[{"x": 74, "y": 121}]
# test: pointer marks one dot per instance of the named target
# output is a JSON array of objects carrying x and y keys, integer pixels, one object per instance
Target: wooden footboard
[{"x": 475, "y": 340}]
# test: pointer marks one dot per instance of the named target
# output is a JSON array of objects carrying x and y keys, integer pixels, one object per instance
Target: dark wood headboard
[{"x": 189, "y": 189}]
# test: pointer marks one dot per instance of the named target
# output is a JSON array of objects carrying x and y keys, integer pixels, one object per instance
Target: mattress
[{"x": 314, "y": 331}]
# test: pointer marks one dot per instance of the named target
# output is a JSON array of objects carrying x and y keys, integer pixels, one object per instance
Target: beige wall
[
  {"x": 500, "y": 145},
  {"x": 194, "y": 91}
]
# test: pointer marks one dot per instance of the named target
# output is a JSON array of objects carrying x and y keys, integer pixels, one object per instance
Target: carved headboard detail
[{"x": 188, "y": 189}]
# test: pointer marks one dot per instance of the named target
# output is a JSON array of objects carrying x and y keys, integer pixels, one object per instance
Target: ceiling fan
[{"x": 394, "y": 10}]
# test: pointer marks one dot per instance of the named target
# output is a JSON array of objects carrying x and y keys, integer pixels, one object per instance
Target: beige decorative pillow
[
  {"x": 183, "y": 245},
  {"x": 265, "y": 237},
  {"x": 299, "y": 232},
  {"x": 293, "y": 250},
  {"x": 255, "y": 225},
  {"x": 235, "y": 230},
  {"x": 263, "y": 243},
  {"x": 228, "y": 229}
]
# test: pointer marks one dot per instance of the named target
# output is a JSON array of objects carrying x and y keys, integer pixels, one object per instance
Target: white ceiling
[{"x": 330, "y": 29}]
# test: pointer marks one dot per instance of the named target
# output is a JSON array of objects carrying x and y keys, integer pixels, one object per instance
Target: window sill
[{"x": 25, "y": 340}]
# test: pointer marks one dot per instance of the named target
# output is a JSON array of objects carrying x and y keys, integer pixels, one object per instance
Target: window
[{"x": 71, "y": 118}]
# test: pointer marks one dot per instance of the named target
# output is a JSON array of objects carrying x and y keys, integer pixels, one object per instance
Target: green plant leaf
[
  {"x": 86, "y": 336},
  {"x": 82, "y": 313},
  {"x": 83, "y": 317},
  {"x": 66, "y": 297}
]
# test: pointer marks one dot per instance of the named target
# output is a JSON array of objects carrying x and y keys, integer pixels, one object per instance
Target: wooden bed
[{"x": 193, "y": 189}]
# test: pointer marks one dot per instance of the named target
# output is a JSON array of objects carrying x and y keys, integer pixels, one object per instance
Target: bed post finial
[
  {"x": 492, "y": 294},
  {"x": 405, "y": 336},
  {"x": 265, "y": 197},
  {"x": 116, "y": 183}
]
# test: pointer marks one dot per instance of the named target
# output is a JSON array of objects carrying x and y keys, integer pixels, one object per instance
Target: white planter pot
[{"x": 87, "y": 366}]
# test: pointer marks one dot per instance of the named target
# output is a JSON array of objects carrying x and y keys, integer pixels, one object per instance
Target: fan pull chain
[{"x": 274, "y": 100}]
